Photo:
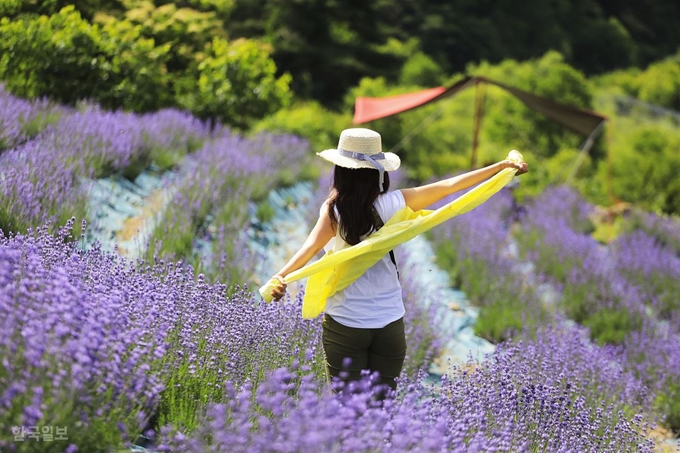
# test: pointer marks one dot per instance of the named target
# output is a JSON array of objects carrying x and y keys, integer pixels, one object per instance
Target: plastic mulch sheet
[{"x": 338, "y": 269}]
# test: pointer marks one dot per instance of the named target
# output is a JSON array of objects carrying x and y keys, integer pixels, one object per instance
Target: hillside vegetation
[{"x": 296, "y": 67}]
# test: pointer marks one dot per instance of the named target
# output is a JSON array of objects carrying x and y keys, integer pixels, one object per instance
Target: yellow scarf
[{"x": 336, "y": 270}]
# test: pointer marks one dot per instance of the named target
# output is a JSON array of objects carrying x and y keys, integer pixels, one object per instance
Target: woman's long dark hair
[{"x": 352, "y": 194}]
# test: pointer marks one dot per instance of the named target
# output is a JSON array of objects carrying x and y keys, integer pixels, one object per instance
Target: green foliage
[
  {"x": 623, "y": 81},
  {"x": 135, "y": 66},
  {"x": 651, "y": 25},
  {"x": 566, "y": 166},
  {"x": 498, "y": 321},
  {"x": 189, "y": 387},
  {"x": 264, "y": 212},
  {"x": 148, "y": 58},
  {"x": 54, "y": 56},
  {"x": 602, "y": 45},
  {"x": 645, "y": 167},
  {"x": 36, "y": 124},
  {"x": 607, "y": 326},
  {"x": 326, "y": 46},
  {"x": 329, "y": 47},
  {"x": 309, "y": 120},
  {"x": 87, "y": 8},
  {"x": 509, "y": 121},
  {"x": 669, "y": 400},
  {"x": 186, "y": 31},
  {"x": 68, "y": 59},
  {"x": 166, "y": 159},
  {"x": 660, "y": 83},
  {"x": 236, "y": 83},
  {"x": 611, "y": 326},
  {"x": 9, "y": 8},
  {"x": 421, "y": 70}
]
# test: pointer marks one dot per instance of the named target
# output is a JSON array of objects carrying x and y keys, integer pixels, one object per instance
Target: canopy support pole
[
  {"x": 585, "y": 148},
  {"x": 480, "y": 98},
  {"x": 610, "y": 190}
]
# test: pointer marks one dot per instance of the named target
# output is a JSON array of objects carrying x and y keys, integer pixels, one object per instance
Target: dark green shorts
[{"x": 378, "y": 350}]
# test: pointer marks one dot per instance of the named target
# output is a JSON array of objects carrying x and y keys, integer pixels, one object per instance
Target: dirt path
[{"x": 132, "y": 239}]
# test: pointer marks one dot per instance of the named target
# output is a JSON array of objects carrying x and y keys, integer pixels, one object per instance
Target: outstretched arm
[
  {"x": 319, "y": 236},
  {"x": 418, "y": 198}
]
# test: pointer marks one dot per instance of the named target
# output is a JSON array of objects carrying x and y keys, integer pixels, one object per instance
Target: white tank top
[{"x": 374, "y": 299}]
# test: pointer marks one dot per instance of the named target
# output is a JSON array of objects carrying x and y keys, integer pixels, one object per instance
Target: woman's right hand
[{"x": 280, "y": 289}]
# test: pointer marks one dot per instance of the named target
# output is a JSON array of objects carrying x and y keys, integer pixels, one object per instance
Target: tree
[
  {"x": 653, "y": 26},
  {"x": 187, "y": 31},
  {"x": 235, "y": 82},
  {"x": 508, "y": 121},
  {"x": 56, "y": 56},
  {"x": 328, "y": 45},
  {"x": 150, "y": 58},
  {"x": 660, "y": 83},
  {"x": 421, "y": 70},
  {"x": 86, "y": 8},
  {"x": 136, "y": 68},
  {"x": 66, "y": 58},
  {"x": 645, "y": 172}
]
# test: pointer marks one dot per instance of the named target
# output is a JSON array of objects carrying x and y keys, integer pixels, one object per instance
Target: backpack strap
[{"x": 377, "y": 221}]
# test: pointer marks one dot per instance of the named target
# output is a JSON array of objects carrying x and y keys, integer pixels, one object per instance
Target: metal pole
[{"x": 480, "y": 97}]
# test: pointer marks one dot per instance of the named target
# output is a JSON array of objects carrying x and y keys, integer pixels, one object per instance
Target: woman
[{"x": 363, "y": 326}]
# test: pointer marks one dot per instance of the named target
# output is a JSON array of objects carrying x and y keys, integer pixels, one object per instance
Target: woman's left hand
[{"x": 521, "y": 168}]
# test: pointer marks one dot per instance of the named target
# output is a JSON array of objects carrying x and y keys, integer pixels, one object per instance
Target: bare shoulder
[{"x": 324, "y": 215}]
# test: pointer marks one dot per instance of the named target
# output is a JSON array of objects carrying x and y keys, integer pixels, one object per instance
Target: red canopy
[
  {"x": 578, "y": 120},
  {"x": 369, "y": 109}
]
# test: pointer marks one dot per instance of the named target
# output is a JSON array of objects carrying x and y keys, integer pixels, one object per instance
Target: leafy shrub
[
  {"x": 321, "y": 127},
  {"x": 236, "y": 83},
  {"x": 670, "y": 401},
  {"x": 660, "y": 83},
  {"x": 643, "y": 171},
  {"x": 611, "y": 326},
  {"x": 499, "y": 320},
  {"x": 421, "y": 70}
]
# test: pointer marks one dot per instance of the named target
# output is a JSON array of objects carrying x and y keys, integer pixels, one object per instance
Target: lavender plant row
[
  {"x": 553, "y": 394},
  {"x": 52, "y": 151},
  {"x": 211, "y": 202},
  {"x": 95, "y": 343},
  {"x": 626, "y": 293},
  {"x": 480, "y": 255},
  {"x": 21, "y": 119},
  {"x": 636, "y": 274}
]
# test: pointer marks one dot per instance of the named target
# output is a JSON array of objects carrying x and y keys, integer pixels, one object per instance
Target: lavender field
[{"x": 173, "y": 350}]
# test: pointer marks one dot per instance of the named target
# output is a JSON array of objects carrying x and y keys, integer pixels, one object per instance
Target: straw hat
[{"x": 361, "y": 148}]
